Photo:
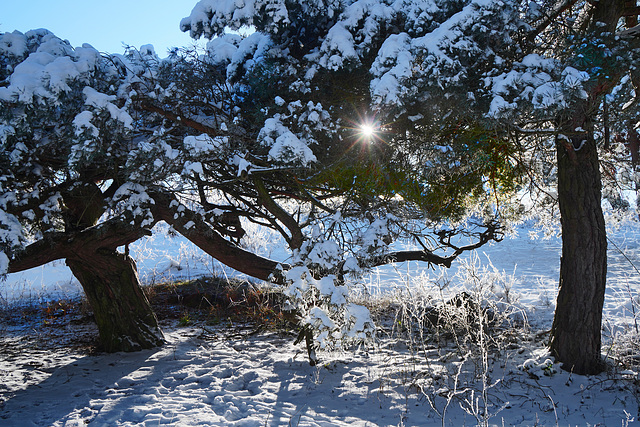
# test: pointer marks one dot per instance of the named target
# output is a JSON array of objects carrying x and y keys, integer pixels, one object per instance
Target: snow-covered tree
[
  {"x": 65, "y": 138},
  {"x": 98, "y": 148},
  {"x": 86, "y": 169},
  {"x": 344, "y": 125},
  {"x": 259, "y": 147},
  {"x": 468, "y": 101}
]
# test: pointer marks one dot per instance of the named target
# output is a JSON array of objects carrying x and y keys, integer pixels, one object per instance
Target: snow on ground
[
  {"x": 223, "y": 375},
  {"x": 217, "y": 377}
]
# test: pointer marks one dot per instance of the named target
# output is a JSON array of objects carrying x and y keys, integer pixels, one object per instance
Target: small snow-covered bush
[
  {"x": 327, "y": 316},
  {"x": 322, "y": 299}
]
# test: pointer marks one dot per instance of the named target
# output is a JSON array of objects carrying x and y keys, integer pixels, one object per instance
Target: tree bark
[
  {"x": 576, "y": 330},
  {"x": 125, "y": 319},
  {"x": 122, "y": 312},
  {"x": 110, "y": 279}
]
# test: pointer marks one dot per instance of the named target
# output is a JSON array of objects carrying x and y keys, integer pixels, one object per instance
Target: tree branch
[
  {"x": 193, "y": 227},
  {"x": 557, "y": 10},
  {"x": 425, "y": 256},
  {"x": 295, "y": 241},
  {"x": 147, "y": 106},
  {"x": 60, "y": 245},
  {"x": 490, "y": 234}
]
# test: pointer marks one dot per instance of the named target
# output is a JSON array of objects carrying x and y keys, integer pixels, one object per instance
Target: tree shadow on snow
[{"x": 74, "y": 391}]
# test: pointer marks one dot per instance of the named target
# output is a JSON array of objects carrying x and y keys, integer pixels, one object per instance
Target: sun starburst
[{"x": 367, "y": 130}]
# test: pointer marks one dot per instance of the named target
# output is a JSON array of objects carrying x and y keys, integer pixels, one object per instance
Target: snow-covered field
[{"x": 222, "y": 375}]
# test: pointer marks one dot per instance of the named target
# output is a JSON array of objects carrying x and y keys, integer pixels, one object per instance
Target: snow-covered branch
[
  {"x": 60, "y": 245},
  {"x": 193, "y": 226}
]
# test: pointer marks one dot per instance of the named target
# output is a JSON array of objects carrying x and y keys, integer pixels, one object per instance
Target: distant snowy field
[
  {"x": 533, "y": 265},
  {"x": 226, "y": 376}
]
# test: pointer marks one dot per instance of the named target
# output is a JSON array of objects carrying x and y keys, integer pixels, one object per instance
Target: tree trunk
[
  {"x": 576, "y": 331},
  {"x": 110, "y": 279},
  {"x": 124, "y": 316}
]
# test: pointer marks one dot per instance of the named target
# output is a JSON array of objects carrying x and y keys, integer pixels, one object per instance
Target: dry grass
[
  {"x": 200, "y": 302},
  {"x": 213, "y": 300}
]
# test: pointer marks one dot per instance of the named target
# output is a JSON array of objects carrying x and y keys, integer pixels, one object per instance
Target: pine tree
[
  {"x": 464, "y": 104},
  {"x": 96, "y": 149},
  {"x": 65, "y": 138},
  {"x": 469, "y": 99}
]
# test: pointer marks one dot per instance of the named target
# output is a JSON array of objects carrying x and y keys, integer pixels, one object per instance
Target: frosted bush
[
  {"x": 322, "y": 299},
  {"x": 323, "y": 306}
]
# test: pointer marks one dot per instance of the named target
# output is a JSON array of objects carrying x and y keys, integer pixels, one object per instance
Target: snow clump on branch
[{"x": 285, "y": 146}]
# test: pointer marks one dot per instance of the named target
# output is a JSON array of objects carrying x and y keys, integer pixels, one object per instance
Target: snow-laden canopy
[
  {"x": 265, "y": 126},
  {"x": 477, "y": 98}
]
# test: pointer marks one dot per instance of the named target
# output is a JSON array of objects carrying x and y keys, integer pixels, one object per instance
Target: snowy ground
[
  {"x": 212, "y": 377},
  {"x": 217, "y": 375}
]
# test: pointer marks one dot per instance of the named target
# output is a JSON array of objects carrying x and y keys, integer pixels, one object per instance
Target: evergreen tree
[
  {"x": 96, "y": 149},
  {"x": 343, "y": 125},
  {"x": 65, "y": 142},
  {"x": 468, "y": 99}
]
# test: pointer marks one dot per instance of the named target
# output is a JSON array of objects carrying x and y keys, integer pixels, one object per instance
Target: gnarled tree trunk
[
  {"x": 124, "y": 316},
  {"x": 110, "y": 279}
]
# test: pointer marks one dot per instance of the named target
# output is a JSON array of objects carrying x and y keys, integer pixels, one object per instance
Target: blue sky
[{"x": 103, "y": 24}]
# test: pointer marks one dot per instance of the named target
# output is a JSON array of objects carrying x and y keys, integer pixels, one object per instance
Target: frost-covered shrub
[
  {"x": 471, "y": 313},
  {"x": 322, "y": 299}
]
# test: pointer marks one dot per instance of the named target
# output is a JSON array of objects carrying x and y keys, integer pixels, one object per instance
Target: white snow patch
[{"x": 285, "y": 145}]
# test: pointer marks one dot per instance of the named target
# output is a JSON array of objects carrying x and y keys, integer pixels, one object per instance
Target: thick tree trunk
[
  {"x": 110, "y": 279},
  {"x": 124, "y": 316},
  {"x": 576, "y": 331}
]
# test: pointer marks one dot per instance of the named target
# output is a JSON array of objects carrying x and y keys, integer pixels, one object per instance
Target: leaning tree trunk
[
  {"x": 110, "y": 279},
  {"x": 122, "y": 312},
  {"x": 576, "y": 331}
]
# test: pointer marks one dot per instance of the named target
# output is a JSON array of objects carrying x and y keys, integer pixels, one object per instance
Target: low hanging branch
[
  {"x": 61, "y": 245},
  {"x": 492, "y": 233},
  {"x": 192, "y": 226}
]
